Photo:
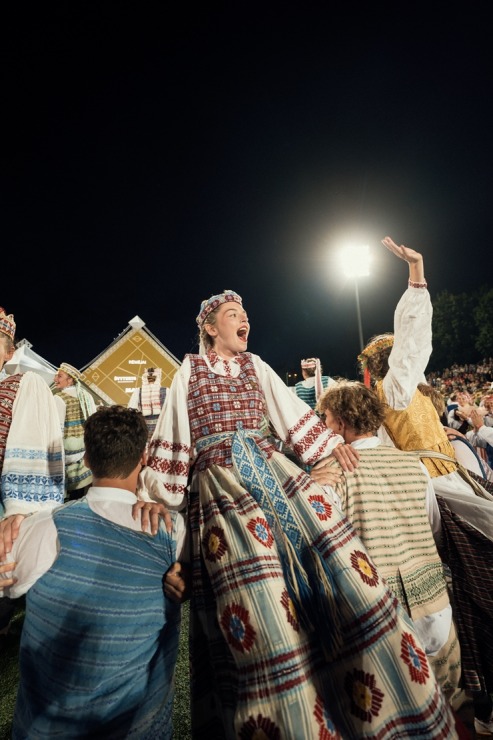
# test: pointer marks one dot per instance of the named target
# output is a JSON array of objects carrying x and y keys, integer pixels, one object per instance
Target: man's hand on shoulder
[
  {"x": 346, "y": 456},
  {"x": 150, "y": 513},
  {"x": 7, "y": 581},
  {"x": 9, "y": 530}
]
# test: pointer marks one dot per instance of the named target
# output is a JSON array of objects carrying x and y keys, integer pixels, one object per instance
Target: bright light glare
[{"x": 355, "y": 260}]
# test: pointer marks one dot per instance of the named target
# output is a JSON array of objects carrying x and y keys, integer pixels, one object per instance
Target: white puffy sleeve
[
  {"x": 412, "y": 347},
  {"x": 170, "y": 447},
  {"x": 294, "y": 421}
]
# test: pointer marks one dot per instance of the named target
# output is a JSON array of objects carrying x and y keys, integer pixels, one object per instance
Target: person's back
[
  {"x": 100, "y": 639},
  {"x": 313, "y": 383},
  {"x": 397, "y": 363},
  {"x": 386, "y": 499},
  {"x": 99, "y": 642}
]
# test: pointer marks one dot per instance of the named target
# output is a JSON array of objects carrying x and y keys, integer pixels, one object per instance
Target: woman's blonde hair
[
  {"x": 8, "y": 342},
  {"x": 206, "y": 342}
]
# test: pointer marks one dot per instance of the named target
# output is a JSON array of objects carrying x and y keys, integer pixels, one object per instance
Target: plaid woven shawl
[{"x": 469, "y": 555}]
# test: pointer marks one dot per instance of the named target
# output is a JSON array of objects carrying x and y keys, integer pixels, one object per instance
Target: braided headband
[
  {"x": 7, "y": 324},
  {"x": 384, "y": 341},
  {"x": 70, "y": 370},
  {"x": 214, "y": 301},
  {"x": 309, "y": 363}
]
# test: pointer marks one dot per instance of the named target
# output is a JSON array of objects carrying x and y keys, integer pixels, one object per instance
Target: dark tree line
[{"x": 462, "y": 328}]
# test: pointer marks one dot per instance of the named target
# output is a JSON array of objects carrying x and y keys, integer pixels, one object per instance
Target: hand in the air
[{"x": 405, "y": 253}]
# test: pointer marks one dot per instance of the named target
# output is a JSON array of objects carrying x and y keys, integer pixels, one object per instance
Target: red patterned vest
[
  {"x": 218, "y": 406},
  {"x": 8, "y": 391}
]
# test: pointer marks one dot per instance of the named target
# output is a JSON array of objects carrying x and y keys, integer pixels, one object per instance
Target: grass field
[{"x": 9, "y": 677}]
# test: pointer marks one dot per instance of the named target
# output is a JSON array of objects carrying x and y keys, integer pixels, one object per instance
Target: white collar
[
  {"x": 366, "y": 443},
  {"x": 107, "y": 493}
]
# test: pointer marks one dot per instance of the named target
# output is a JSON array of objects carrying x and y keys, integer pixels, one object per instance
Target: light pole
[
  {"x": 355, "y": 263},
  {"x": 358, "y": 312}
]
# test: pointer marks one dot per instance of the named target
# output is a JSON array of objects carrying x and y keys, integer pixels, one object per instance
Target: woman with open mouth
[{"x": 293, "y": 632}]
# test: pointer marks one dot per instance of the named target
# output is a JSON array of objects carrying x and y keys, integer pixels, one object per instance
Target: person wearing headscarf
[
  {"x": 294, "y": 633},
  {"x": 394, "y": 364},
  {"x": 149, "y": 398},
  {"x": 79, "y": 405},
  {"x": 314, "y": 383},
  {"x": 31, "y": 444}
]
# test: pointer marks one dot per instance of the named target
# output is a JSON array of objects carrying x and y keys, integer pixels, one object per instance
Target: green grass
[{"x": 9, "y": 678}]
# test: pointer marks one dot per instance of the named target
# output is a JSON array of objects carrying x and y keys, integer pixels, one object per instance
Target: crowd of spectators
[{"x": 475, "y": 379}]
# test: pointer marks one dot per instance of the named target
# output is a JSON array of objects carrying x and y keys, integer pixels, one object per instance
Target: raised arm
[
  {"x": 412, "y": 331},
  {"x": 413, "y": 258}
]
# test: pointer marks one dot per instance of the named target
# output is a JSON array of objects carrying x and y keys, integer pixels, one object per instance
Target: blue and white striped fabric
[{"x": 100, "y": 640}]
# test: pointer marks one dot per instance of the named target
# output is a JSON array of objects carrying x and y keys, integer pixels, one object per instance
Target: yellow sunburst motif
[
  {"x": 362, "y": 696},
  {"x": 365, "y": 567},
  {"x": 213, "y": 543}
]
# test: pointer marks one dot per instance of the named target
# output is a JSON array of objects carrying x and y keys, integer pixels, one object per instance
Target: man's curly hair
[{"x": 356, "y": 405}]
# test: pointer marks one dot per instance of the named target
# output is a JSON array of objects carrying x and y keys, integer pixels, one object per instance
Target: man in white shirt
[{"x": 100, "y": 633}]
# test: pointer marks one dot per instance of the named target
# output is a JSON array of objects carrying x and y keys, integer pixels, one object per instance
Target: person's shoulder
[{"x": 32, "y": 379}]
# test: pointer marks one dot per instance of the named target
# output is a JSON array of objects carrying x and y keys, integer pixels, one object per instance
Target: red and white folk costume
[{"x": 293, "y": 633}]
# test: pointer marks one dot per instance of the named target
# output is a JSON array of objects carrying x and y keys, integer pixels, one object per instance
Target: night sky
[{"x": 152, "y": 158}]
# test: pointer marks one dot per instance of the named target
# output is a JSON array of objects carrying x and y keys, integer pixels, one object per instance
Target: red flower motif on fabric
[
  {"x": 328, "y": 730},
  {"x": 366, "y": 699},
  {"x": 164, "y": 444},
  {"x": 260, "y": 530},
  {"x": 176, "y": 467},
  {"x": 261, "y": 728},
  {"x": 361, "y": 563},
  {"x": 289, "y": 606},
  {"x": 299, "y": 424},
  {"x": 321, "y": 506},
  {"x": 415, "y": 658},
  {"x": 169, "y": 467},
  {"x": 214, "y": 543},
  {"x": 236, "y": 624},
  {"x": 175, "y": 488}
]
